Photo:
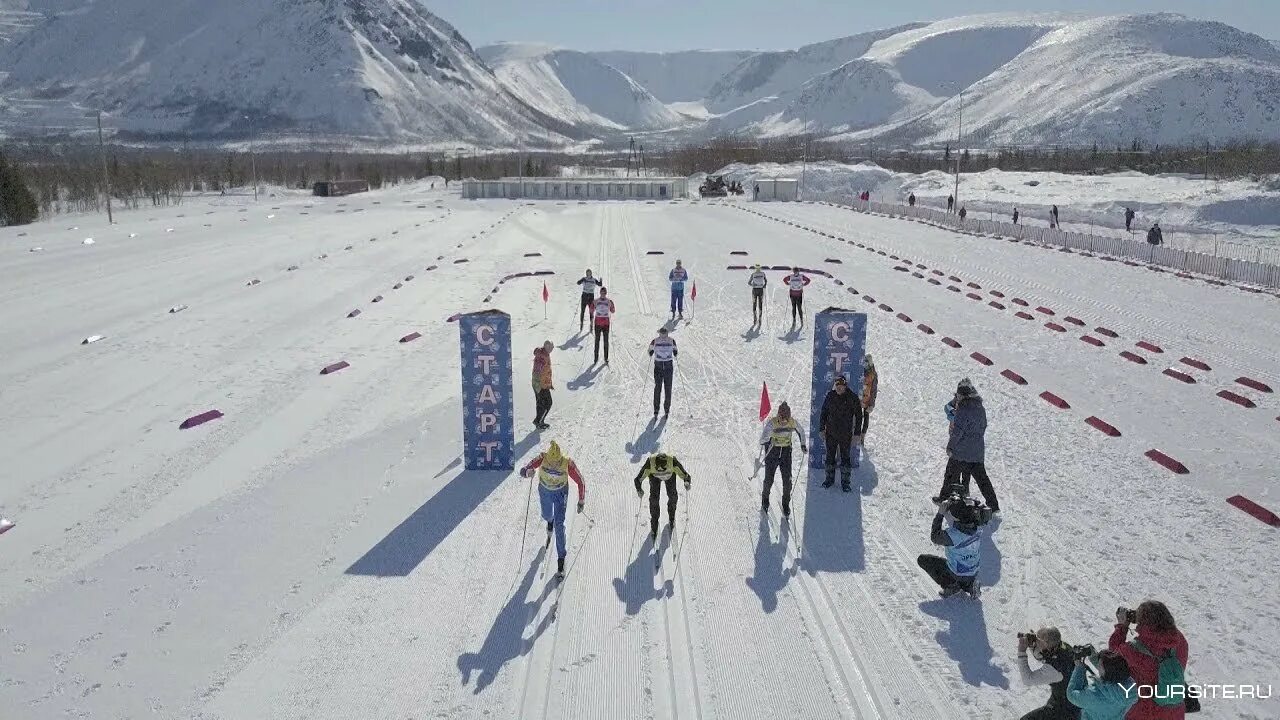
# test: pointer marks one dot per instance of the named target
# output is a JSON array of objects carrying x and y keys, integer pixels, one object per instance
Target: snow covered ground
[
  {"x": 320, "y": 552},
  {"x": 1238, "y": 218}
]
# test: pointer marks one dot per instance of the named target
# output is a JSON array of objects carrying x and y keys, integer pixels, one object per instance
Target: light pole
[
  {"x": 253, "y": 159},
  {"x": 106, "y": 176},
  {"x": 804, "y": 155},
  {"x": 959, "y": 139}
]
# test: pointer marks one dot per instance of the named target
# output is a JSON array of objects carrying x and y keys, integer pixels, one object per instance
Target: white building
[
  {"x": 562, "y": 188},
  {"x": 775, "y": 189}
]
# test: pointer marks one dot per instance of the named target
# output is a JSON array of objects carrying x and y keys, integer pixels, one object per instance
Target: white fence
[{"x": 1228, "y": 269}]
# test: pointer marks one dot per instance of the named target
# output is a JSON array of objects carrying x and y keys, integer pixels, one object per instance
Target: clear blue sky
[{"x": 774, "y": 24}]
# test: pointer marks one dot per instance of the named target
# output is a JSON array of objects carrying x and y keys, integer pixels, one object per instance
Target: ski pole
[
  {"x": 680, "y": 545},
  {"x": 524, "y": 534}
]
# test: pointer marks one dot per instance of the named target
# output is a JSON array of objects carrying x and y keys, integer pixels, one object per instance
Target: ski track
[
  {"x": 1166, "y": 331},
  {"x": 829, "y": 617}
]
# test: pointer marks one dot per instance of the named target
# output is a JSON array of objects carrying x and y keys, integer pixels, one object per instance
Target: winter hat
[
  {"x": 784, "y": 410},
  {"x": 547, "y": 345},
  {"x": 604, "y": 291},
  {"x": 841, "y": 380},
  {"x": 966, "y": 388},
  {"x": 553, "y": 452},
  {"x": 867, "y": 362},
  {"x": 663, "y": 330}
]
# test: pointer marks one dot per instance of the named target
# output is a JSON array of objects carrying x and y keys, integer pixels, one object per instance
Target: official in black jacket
[{"x": 841, "y": 419}]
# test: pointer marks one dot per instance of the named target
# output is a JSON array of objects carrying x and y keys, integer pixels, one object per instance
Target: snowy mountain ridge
[
  {"x": 387, "y": 70},
  {"x": 391, "y": 71},
  {"x": 577, "y": 88}
]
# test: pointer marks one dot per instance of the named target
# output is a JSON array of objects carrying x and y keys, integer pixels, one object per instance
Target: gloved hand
[
  {"x": 804, "y": 449},
  {"x": 580, "y": 506},
  {"x": 526, "y": 473},
  {"x": 687, "y": 484},
  {"x": 640, "y": 493}
]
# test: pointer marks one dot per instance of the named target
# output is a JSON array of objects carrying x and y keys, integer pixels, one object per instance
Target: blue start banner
[
  {"x": 839, "y": 342},
  {"x": 488, "y": 415}
]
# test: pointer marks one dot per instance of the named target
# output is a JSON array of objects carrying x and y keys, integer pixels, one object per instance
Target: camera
[
  {"x": 1029, "y": 636},
  {"x": 1130, "y": 615},
  {"x": 1080, "y": 652}
]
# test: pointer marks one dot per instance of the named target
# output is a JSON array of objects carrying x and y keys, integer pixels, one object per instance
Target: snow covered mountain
[
  {"x": 1048, "y": 78},
  {"x": 676, "y": 76},
  {"x": 577, "y": 88},
  {"x": 1156, "y": 78},
  {"x": 768, "y": 74},
  {"x": 386, "y": 69}
]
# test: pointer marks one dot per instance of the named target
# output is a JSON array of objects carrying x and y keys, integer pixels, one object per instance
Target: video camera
[{"x": 965, "y": 510}]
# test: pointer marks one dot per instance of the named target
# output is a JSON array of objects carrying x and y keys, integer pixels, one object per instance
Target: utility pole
[
  {"x": 959, "y": 139},
  {"x": 106, "y": 176},
  {"x": 253, "y": 159},
  {"x": 804, "y": 156}
]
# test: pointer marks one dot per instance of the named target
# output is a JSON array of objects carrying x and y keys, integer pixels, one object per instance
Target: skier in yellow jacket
[
  {"x": 776, "y": 441},
  {"x": 661, "y": 469}
]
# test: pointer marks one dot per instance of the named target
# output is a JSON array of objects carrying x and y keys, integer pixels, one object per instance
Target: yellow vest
[
  {"x": 651, "y": 468},
  {"x": 554, "y": 476},
  {"x": 781, "y": 431}
]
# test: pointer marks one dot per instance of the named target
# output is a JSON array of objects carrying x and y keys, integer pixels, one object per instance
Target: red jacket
[{"x": 1145, "y": 669}]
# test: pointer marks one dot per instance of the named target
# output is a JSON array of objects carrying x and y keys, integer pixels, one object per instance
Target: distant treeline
[
  {"x": 73, "y": 177},
  {"x": 1234, "y": 160}
]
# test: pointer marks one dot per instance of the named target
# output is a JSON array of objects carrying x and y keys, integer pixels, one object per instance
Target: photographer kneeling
[
  {"x": 1047, "y": 647},
  {"x": 1104, "y": 698}
]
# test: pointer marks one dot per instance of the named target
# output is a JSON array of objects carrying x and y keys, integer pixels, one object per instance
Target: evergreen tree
[{"x": 17, "y": 204}]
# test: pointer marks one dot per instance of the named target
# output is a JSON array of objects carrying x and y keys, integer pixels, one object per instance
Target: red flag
[
  {"x": 765, "y": 405},
  {"x": 694, "y": 294},
  {"x": 545, "y": 295}
]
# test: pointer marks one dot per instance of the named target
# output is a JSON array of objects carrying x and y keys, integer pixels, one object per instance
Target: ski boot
[
  {"x": 559, "y": 568},
  {"x": 950, "y": 590},
  {"x": 764, "y": 505},
  {"x": 786, "y": 510},
  {"x": 831, "y": 480}
]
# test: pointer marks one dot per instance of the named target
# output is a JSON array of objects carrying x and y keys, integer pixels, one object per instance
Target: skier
[
  {"x": 966, "y": 445},
  {"x": 911, "y": 200},
  {"x": 838, "y": 424},
  {"x": 604, "y": 308},
  {"x": 678, "y": 277},
  {"x": 542, "y": 386},
  {"x": 554, "y": 472},
  {"x": 663, "y": 351},
  {"x": 870, "y": 388},
  {"x": 796, "y": 282},
  {"x": 758, "y": 281},
  {"x": 775, "y": 440},
  {"x": 1155, "y": 236},
  {"x": 1015, "y": 216},
  {"x": 962, "y": 543},
  {"x": 1053, "y": 217},
  {"x": 1128, "y": 219},
  {"x": 951, "y": 202},
  {"x": 589, "y": 285},
  {"x": 662, "y": 469}
]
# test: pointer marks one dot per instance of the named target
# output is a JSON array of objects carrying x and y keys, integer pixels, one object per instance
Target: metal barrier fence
[{"x": 1228, "y": 269}]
